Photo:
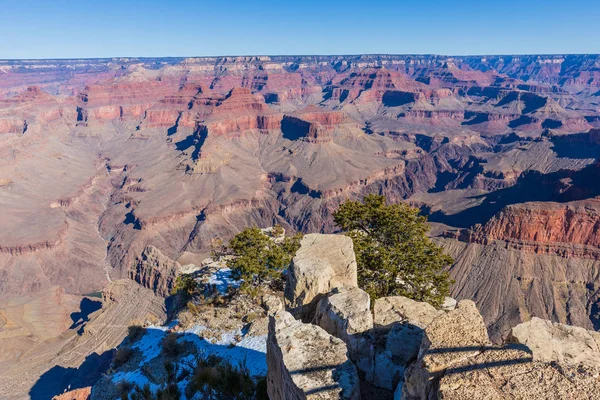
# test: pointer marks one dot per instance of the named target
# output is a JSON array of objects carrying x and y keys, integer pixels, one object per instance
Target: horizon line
[{"x": 308, "y": 55}]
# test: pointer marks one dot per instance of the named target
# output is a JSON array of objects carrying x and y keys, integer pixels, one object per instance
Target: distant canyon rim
[{"x": 102, "y": 158}]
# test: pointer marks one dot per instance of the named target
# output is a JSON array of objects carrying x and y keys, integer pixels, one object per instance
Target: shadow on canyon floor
[
  {"x": 149, "y": 344},
  {"x": 59, "y": 379},
  {"x": 87, "y": 307},
  {"x": 561, "y": 186}
]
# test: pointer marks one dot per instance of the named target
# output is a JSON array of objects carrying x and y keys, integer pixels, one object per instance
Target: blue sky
[{"x": 110, "y": 28}]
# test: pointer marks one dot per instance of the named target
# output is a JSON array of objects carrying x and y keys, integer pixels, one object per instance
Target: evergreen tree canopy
[
  {"x": 393, "y": 254},
  {"x": 260, "y": 258}
]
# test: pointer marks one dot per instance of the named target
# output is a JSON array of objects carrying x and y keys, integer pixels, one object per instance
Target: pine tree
[{"x": 393, "y": 253}]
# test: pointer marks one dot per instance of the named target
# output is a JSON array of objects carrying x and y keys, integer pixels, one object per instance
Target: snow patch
[{"x": 222, "y": 280}]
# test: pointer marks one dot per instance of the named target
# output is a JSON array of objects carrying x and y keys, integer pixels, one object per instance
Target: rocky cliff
[{"x": 417, "y": 351}]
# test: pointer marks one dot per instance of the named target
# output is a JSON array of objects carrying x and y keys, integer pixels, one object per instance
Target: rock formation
[
  {"x": 399, "y": 323},
  {"x": 323, "y": 263},
  {"x": 422, "y": 353},
  {"x": 456, "y": 361},
  {"x": 553, "y": 342},
  {"x": 305, "y": 362},
  {"x": 345, "y": 313},
  {"x": 155, "y": 271}
]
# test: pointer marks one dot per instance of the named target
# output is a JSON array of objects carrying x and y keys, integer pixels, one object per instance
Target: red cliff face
[
  {"x": 243, "y": 123},
  {"x": 570, "y": 229},
  {"x": 312, "y": 124},
  {"x": 12, "y": 125}
]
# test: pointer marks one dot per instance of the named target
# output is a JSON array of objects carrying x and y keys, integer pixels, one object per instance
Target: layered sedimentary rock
[
  {"x": 155, "y": 271},
  {"x": 102, "y": 158},
  {"x": 552, "y": 342},
  {"x": 543, "y": 224},
  {"x": 52, "y": 366},
  {"x": 321, "y": 264},
  {"x": 305, "y": 362}
]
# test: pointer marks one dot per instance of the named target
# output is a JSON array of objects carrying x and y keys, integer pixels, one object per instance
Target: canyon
[{"x": 126, "y": 169}]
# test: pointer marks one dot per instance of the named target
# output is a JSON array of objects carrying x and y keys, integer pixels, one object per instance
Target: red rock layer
[{"x": 569, "y": 229}]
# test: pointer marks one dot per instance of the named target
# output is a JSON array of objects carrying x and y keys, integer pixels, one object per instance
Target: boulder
[
  {"x": 346, "y": 314},
  {"x": 455, "y": 336},
  {"x": 399, "y": 325},
  {"x": 449, "y": 304},
  {"x": 306, "y": 362},
  {"x": 551, "y": 341},
  {"x": 509, "y": 373},
  {"x": 390, "y": 310},
  {"x": 322, "y": 263},
  {"x": 450, "y": 339}
]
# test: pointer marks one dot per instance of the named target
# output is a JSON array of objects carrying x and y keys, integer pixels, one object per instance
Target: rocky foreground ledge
[
  {"x": 410, "y": 347},
  {"x": 325, "y": 339}
]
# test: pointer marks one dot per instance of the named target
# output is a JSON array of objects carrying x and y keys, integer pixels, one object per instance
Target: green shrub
[
  {"x": 134, "y": 332},
  {"x": 122, "y": 355},
  {"x": 171, "y": 347},
  {"x": 259, "y": 259},
  {"x": 216, "y": 377},
  {"x": 185, "y": 286},
  {"x": 393, "y": 254}
]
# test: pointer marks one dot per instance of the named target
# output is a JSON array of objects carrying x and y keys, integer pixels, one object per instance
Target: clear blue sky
[{"x": 109, "y": 28}]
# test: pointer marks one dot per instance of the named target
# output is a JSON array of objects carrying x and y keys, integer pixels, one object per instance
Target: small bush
[
  {"x": 134, "y": 332},
  {"x": 259, "y": 259},
  {"x": 170, "y": 346},
  {"x": 171, "y": 392},
  {"x": 122, "y": 355},
  {"x": 185, "y": 286},
  {"x": 124, "y": 388},
  {"x": 144, "y": 393},
  {"x": 216, "y": 377}
]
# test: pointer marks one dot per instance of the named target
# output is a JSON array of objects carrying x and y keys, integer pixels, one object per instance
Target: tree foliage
[
  {"x": 216, "y": 378},
  {"x": 393, "y": 253},
  {"x": 259, "y": 258}
]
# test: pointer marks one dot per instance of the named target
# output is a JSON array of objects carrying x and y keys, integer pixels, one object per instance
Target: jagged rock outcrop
[
  {"x": 554, "y": 342},
  {"x": 399, "y": 323},
  {"x": 456, "y": 361},
  {"x": 305, "y": 362},
  {"x": 448, "y": 340},
  {"x": 511, "y": 373},
  {"x": 154, "y": 270},
  {"x": 321, "y": 264},
  {"x": 346, "y": 314}
]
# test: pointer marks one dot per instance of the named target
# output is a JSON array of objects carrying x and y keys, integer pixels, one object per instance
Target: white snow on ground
[
  {"x": 136, "y": 377},
  {"x": 222, "y": 280},
  {"x": 250, "y": 351},
  {"x": 150, "y": 345}
]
